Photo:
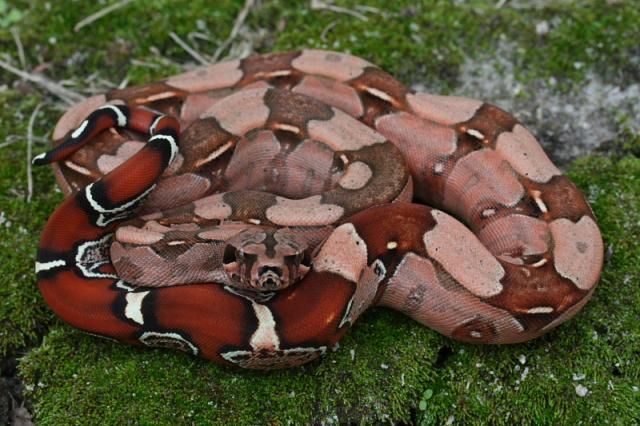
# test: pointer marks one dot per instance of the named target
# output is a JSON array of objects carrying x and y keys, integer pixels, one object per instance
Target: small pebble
[
  {"x": 581, "y": 390},
  {"x": 578, "y": 376},
  {"x": 542, "y": 28}
]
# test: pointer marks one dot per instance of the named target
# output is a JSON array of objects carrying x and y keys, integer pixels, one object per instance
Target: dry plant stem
[
  {"x": 99, "y": 14},
  {"x": 144, "y": 64},
  {"x": 16, "y": 37},
  {"x": 370, "y": 9},
  {"x": 198, "y": 35},
  {"x": 69, "y": 96},
  {"x": 123, "y": 83},
  {"x": 321, "y": 5},
  {"x": 8, "y": 142},
  {"x": 32, "y": 120},
  {"x": 242, "y": 16},
  {"x": 11, "y": 139},
  {"x": 195, "y": 55},
  {"x": 327, "y": 29}
]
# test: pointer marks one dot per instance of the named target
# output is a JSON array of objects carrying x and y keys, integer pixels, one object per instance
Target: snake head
[{"x": 265, "y": 259}]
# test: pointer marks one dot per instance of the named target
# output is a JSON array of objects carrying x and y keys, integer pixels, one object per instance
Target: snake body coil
[{"x": 250, "y": 211}]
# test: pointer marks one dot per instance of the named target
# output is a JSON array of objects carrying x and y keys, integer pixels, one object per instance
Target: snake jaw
[{"x": 270, "y": 278}]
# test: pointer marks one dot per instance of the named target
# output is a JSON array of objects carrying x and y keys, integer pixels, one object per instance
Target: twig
[
  {"x": 321, "y": 5},
  {"x": 370, "y": 9},
  {"x": 240, "y": 18},
  {"x": 16, "y": 37},
  {"x": 11, "y": 139},
  {"x": 144, "y": 64},
  {"x": 123, "y": 83},
  {"x": 32, "y": 119},
  {"x": 157, "y": 56},
  {"x": 195, "y": 55},
  {"x": 69, "y": 96},
  {"x": 198, "y": 35},
  {"x": 325, "y": 31},
  {"x": 99, "y": 14},
  {"x": 8, "y": 142}
]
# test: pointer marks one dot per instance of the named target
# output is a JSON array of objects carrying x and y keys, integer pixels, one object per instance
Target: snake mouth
[{"x": 270, "y": 278}]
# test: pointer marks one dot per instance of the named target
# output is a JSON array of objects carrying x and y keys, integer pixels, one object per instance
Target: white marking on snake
[
  {"x": 539, "y": 263},
  {"x": 254, "y": 221},
  {"x": 215, "y": 154},
  {"x": 152, "y": 128},
  {"x": 475, "y": 133},
  {"x": 379, "y": 94},
  {"x": 123, "y": 285},
  {"x": 45, "y": 266},
  {"x": 279, "y": 73},
  {"x": 488, "y": 212},
  {"x": 77, "y": 132},
  {"x": 537, "y": 197},
  {"x": 39, "y": 157},
  {"x": 392, "y": 245},
  {"x": 121, "y": 119},
  {"x": 540, "y": 310},
  {"x": 265, "y": 336},
  {"x": 77, "y": 168},
  {"x": 122, "y": 208},
  {"x": 172, "y": 144},
  {"x": 133, "y": 310},
  {"x": 287, "y": 128},
  {"x": 160, "y": 96},
  {"x": 98, "y": 208}
]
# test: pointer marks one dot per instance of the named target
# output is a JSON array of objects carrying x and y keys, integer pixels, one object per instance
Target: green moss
[
  {"x": 22, "y": 314},
  {"x": 82, "y": 380},
  {"x": 77, "y": 379},
  {"x": 626, "y": 144},
  {"x": 590, "y": 35}
]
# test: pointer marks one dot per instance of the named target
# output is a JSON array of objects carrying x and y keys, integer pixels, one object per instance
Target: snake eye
[{"x": 229, "y": 255}]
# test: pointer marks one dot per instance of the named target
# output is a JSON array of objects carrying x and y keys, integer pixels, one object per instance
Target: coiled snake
[{"x": 294, "y": 198}]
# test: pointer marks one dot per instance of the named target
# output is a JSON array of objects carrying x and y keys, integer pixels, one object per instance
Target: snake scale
[{"x": 250, "y": 211}]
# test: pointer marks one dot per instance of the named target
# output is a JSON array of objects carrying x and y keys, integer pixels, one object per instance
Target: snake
[{"x": 249, "y": 211}]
